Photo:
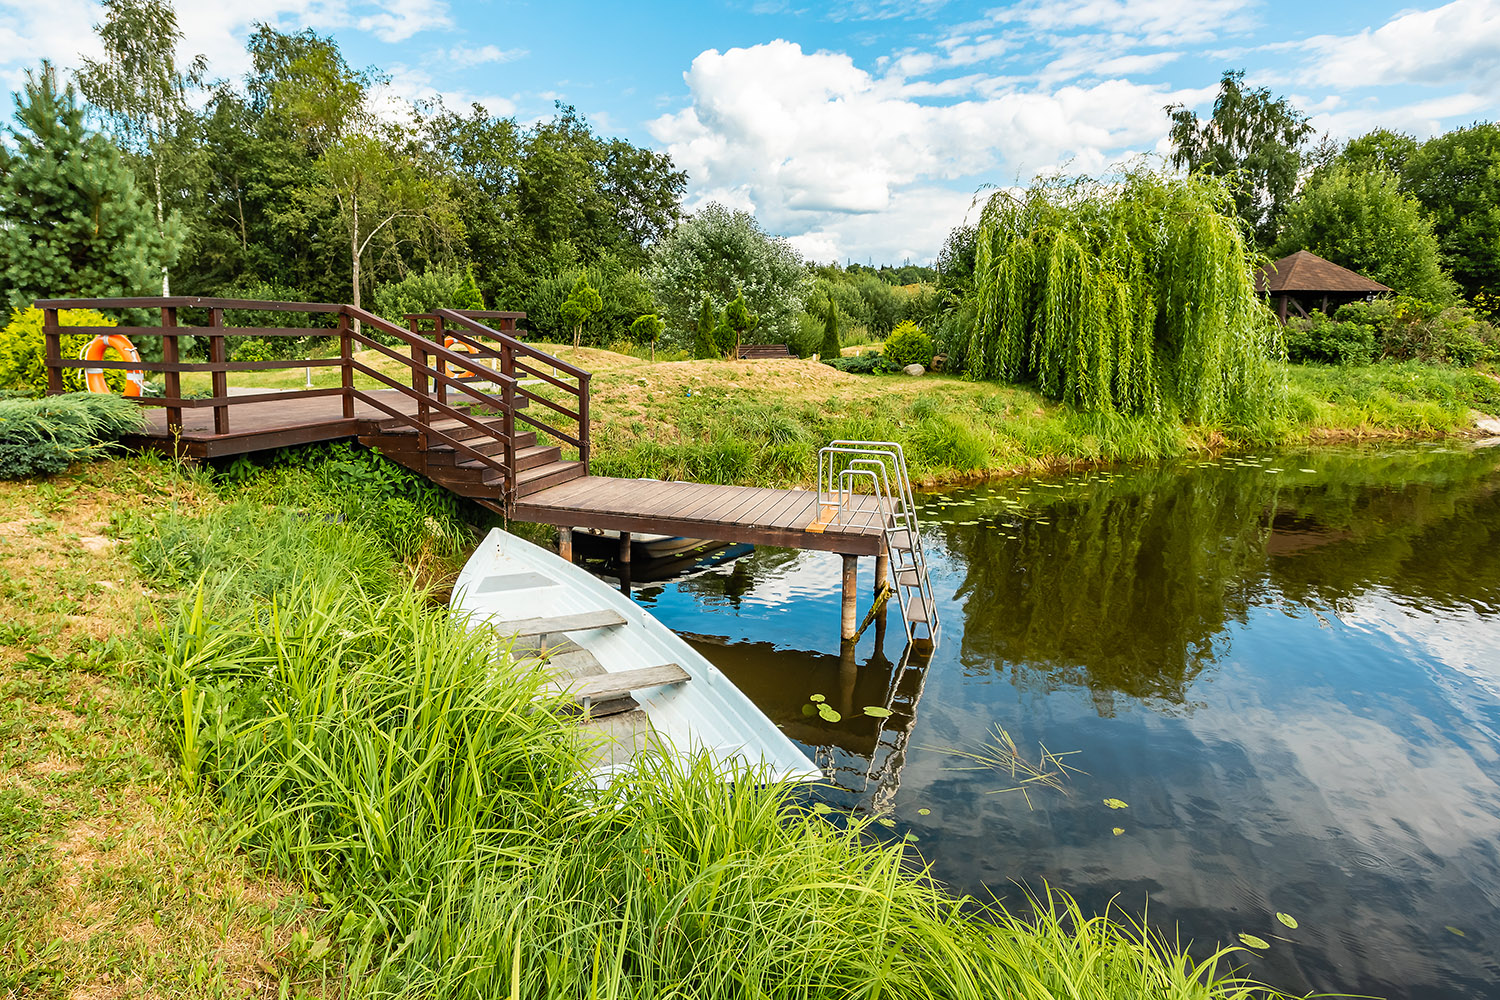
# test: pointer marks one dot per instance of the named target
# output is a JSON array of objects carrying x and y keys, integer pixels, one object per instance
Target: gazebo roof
[{"x": 1305, "y": 271}]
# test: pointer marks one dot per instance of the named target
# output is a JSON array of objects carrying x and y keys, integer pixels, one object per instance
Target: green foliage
[
  {"x": 23, "y": 348},
  {"x": 42, "y": 437},
  {"x": 720, "y": 253},
  {"x": 1378, "y": 150},
  {"x": 868, "y": 363},
  {"x": 705, "y": 346},
  {"x": 1317, "y": 338},
  {"x": 622, "y": 291},
  {"x": 437, "y": 287},
  {"x": 1456, "y": 177},
  {"x": 582, "y": 302},
  {"x": 830, "y": 347},
  {"x": 72, "y": 221},
  {"x": 647, "y": 330},
  {"x": 908, "y": 345},
  {"x": 740, "y": 320},
  {"x": 1135, "y": 297},
  {"x": 1362, "y": 221},
  {"x": 1406, "y": 328},
  {"x": 1253, "y": 141}
]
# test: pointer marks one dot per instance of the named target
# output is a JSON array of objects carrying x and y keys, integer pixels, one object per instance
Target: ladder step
[
  {"x": 916, "y": 610},
  {"x": 907, "y": 578}
]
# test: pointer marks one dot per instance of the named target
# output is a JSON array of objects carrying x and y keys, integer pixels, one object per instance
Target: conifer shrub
[
  {"x": 908, "y": 345},
  {"x": 42, "y": 437}
]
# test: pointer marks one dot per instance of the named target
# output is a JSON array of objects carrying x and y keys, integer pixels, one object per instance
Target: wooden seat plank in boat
[
  {"x": 522, "y": 627},
  {"x": 604, "y": 686}
]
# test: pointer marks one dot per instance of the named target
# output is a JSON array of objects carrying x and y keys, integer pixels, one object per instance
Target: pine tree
[
  {"x": 703, "y": 335},
  {"x": 72, "y": 221},
  {"x": 830, "y": 349}
]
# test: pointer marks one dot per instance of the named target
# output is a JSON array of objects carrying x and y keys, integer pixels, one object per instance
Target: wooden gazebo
[{"x": 1305, "y": 281}]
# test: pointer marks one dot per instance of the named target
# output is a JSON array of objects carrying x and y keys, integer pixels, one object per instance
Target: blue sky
[{"x": 861, "y": 129}]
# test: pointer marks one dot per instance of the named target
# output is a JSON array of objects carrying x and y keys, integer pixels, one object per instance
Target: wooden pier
[{"x": 471, "y": 407}]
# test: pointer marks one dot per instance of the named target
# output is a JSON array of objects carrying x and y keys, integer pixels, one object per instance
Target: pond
[{"x": 1284, "y": 670}]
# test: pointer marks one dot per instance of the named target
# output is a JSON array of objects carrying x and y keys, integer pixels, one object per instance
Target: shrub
[
  {"x": 1407, "y": 328},
  {"x": 23, "y": 351},
  {"x": 434, "y": 288},
  {"x": 42, "y": 437},
  {"x": 1319, "y": 339},
  {"x": 908, "y": 345},
  {"x": 868, "y": 363}
]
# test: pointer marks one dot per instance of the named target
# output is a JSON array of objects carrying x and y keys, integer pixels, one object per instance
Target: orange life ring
[
  {"x": 458, "y": 345},
  {"x": 135, "y": 381}
]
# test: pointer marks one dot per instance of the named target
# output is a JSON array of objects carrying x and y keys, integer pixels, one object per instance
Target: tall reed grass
[{"x": 407, "y": 770}]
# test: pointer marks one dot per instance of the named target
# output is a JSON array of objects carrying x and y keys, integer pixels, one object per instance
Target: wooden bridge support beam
[
  {"x": 849, "y": 626},
  {"x": 565, "y": 543},
  {"x": 882, "y": 571},
  {"x": 624, "y": 548}
]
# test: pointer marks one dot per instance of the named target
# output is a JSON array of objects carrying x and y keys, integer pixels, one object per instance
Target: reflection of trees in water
[{"x": 1131, "y": 584}]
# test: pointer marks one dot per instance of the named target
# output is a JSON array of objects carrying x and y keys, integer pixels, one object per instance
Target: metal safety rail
[{"x": 865, "y": 484}]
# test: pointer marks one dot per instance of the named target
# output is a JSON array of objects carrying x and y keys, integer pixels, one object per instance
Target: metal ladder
[{"x": 880, "y": 466}]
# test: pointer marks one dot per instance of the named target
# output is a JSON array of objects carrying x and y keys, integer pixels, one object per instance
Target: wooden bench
[{"x": 763, "y": 352}]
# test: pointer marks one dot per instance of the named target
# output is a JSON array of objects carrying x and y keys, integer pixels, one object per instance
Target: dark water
[{"x": 1287, "y": 666}]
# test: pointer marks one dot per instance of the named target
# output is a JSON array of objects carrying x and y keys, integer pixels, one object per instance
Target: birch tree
[{"x": 142, "y": 94}]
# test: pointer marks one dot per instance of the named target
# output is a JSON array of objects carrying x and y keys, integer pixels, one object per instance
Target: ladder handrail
[{"x": 843, "y": 466}]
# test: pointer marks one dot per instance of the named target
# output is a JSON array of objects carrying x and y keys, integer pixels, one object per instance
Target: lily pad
[
  {"x": 828, "y": 712},
  {"x": 1117, "y": 803},
  {"x": 822, "y": 808},
  {"x": 886, "y": 822},
  {"x": 1118, "y": 830},
  {"x": 1287, "y": 919},
  {"x": 1255, "y": 942},
  {"x": 1454, "y": 930},
  {"x": 809, "y": 711},
  {"x": 816, "y": 697},
  {"x": 924, "y": 812},
  {"x": 876, "y": 712},
  {"x": 909, "y": 836}
]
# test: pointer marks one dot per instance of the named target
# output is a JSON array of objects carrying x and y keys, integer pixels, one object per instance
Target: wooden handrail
[
  {"x": 517, "y": 345},
  {"x": 189, "y": 302}
]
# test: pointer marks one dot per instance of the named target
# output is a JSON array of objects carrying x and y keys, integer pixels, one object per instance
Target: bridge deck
[{"x": 759, "y": 516}]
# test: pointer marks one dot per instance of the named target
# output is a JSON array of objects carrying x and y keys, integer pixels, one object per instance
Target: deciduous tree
[{"x": 1456, "y": 177}]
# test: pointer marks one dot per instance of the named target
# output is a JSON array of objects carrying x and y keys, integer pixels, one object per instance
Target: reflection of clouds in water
[{"x": 1462, "y": 641}]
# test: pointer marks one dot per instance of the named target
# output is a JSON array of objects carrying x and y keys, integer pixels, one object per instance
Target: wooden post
[
  {"x": 442, "y": 365},
  {"x": 565, "y": 543},
  {"x": 849, "y": 625},
  {"x": 346, "y": 365},
  {"x": 882, "y": 571},
  {"x": 419, "y": 382},
  {"x": 172, "y": 379},
  {"x": 583, "y": 421},
  {"x": 625, "y": 548},
  {"x": 218, "y": 355},
  {"x": 54, "y": 351},
  {"x": 508, "y": 414}
]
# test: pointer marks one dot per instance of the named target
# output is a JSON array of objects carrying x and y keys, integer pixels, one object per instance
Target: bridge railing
[{"x": 445, "y": 384}]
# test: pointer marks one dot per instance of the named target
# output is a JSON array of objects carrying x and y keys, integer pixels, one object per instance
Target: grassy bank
[
  {"x": 761, "y": 422},
  {"x": 266, "y": 763}
]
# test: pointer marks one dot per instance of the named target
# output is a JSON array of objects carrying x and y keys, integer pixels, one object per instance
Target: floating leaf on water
[
  {"x": 1287, "y": 919},
  {"x": 809, "y": 710},
  {"x": 1117, "y": 803},
  {"x": 815, "y": 697},
  {"x": 828, "y": 712},
  {"x": 924, "y": 812},
  {"x": 886, "y": 822},
  {"x": 821, "y": 808},
  {"x": 1308, "y": 470},
  {"x": 876, "y": 712},
  {"x": 909, "y": 836},
  {"x": 1118, "y": 830},
  {"x": 1454, "y": 930},
  {"x": 1255, "y": 942}
]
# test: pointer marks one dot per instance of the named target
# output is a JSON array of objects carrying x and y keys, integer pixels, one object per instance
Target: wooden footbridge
[{"x": 459, "y": 398}]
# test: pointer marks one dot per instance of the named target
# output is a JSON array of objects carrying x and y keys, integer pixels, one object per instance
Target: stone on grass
[{"x": 915, "y": 370}]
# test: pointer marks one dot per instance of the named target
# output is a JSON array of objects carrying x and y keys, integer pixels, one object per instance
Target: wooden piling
[
  {"x": 882, "y": 571},
  {"x": 625, "y": 548},
  {"x": 565, "y": 543},
  {"x": 849, "y": 626}
]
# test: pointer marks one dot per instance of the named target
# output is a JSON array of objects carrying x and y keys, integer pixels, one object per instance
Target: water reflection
[{"x": 1288, "y": 666}]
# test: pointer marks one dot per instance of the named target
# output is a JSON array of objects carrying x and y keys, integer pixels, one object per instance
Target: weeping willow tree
[{"x": 1135, "y": 296}]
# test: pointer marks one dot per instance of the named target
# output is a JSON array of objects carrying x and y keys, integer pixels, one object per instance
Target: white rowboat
[{"x": 633, "y": 676}]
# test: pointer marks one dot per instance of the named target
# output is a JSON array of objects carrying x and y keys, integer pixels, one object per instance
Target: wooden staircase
[{"x": 537, "y": 466}]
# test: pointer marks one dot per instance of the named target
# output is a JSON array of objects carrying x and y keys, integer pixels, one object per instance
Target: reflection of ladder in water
[
  {"x": 851, "y": 469},
  {"x": 894, "y": 733}
]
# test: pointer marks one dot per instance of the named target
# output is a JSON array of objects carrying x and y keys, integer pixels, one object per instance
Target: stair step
[
  {"x": 545, "y": 476},
  {"x": 526, "y": 458}
]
